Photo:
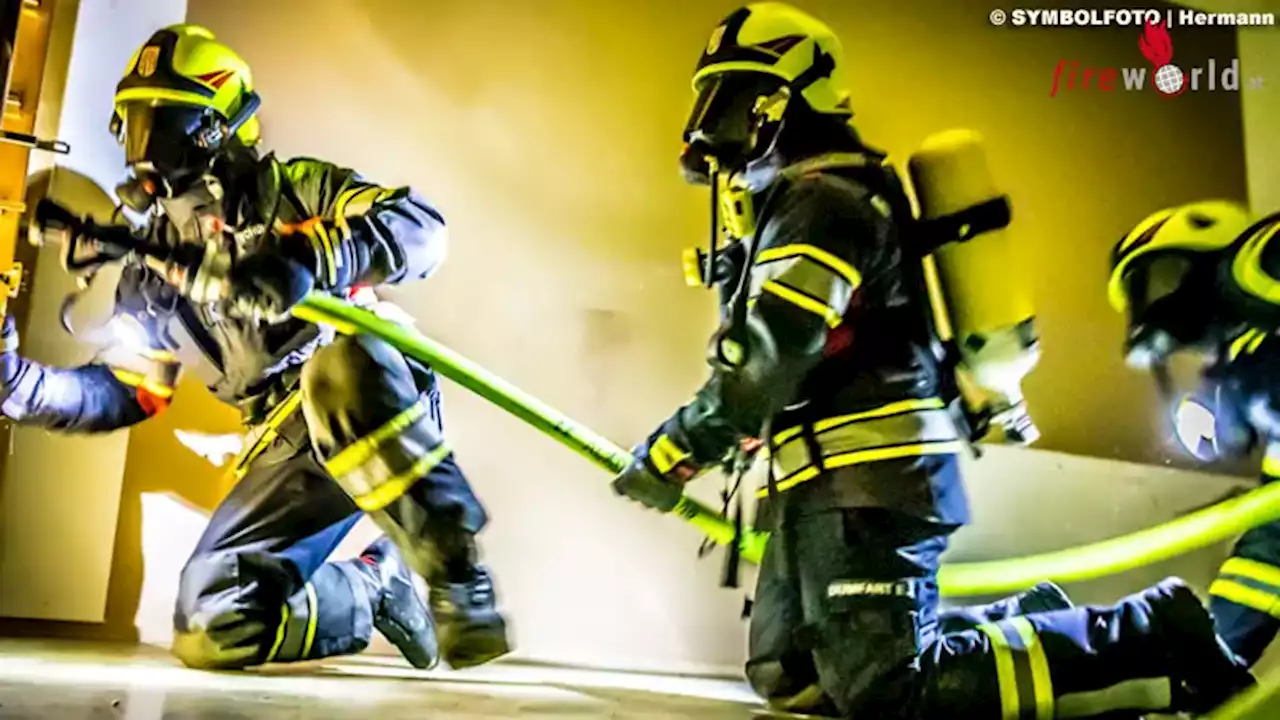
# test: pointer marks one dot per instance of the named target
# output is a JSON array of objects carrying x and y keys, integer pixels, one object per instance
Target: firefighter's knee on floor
[
  {"x": 214, "y": 636},
  {"x": 788, "y": 691},
  {"x": 232, "y": 642},
  {"x": 219, "y": 624}
]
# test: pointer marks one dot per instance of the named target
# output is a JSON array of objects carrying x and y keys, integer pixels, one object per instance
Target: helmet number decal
[
  {"x": 148, "y": 60},
  {"x": 717, "y": 36}
]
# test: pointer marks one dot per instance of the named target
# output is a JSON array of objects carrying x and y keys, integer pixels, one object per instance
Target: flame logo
[{"x": 1156, "y": 45}]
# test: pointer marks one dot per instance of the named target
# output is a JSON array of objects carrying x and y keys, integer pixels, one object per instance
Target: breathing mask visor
[{"x": 735, "y": 119}]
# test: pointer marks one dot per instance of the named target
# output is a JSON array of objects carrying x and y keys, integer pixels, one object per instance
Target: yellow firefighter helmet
[
  {"x": 1153, "y": 259},
  {"x": 183, "y": 84},
  {"x": 779, "y": 40}
]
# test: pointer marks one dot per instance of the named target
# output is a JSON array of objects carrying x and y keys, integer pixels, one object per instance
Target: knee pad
[
  {"x": 788, "y": 688},
  {"x": 228, "y": 641},
  {"x": 217, "y": 623}
]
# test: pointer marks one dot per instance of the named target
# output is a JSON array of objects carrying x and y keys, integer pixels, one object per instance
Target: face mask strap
[{"x": 709, "y": 274}]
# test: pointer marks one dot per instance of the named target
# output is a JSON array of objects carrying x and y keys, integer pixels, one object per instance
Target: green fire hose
[{"x": 1190, "y": 532}]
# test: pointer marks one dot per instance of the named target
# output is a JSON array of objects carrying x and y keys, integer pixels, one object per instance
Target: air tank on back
[{"x": 987, "y": 299}]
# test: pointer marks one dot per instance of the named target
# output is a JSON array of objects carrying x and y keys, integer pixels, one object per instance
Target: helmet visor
[
  {"x": 1154, "y": 280},
  {"x": 163, "y": 136},
  {"x": 723, "y": 122}
]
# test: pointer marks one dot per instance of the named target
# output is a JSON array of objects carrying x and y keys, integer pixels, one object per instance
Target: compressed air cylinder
[{"x": 988, "y": 298}]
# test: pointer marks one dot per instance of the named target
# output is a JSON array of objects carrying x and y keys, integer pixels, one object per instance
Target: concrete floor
[
  {"x": 75, "y": 681},
  {"x": 65, "y": 681}
]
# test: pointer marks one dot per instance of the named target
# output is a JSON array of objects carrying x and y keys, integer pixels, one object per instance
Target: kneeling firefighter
[
  {"x": 1205, "y": 278},
  {"x": 338, "y": 426},
  {"x": 826, "y": 350}
]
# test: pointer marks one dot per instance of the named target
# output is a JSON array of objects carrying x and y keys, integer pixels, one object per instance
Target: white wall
[
  {"x": 61, "y": 494},
  {"x": 1259, "y": 56}
]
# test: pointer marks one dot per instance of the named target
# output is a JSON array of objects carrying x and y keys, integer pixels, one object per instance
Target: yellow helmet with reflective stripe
[
  {"x": 1154, "y": 256},
  {"x": 184, "y": 65},
  {"x": 779, "y": 40}
]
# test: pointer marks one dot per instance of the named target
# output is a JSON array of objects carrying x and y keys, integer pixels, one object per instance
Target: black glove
[
  {"x": 54, "y": 218},
  {"x": 648, "y": 488},
  {"x": 87, "y": 244},
  {"x": 267, "y": 285}
]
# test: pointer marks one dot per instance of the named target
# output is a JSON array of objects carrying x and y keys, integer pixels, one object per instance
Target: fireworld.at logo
[{"x": 1166, "y": 78}]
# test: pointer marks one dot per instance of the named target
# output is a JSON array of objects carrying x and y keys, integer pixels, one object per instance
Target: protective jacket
[
  {"x": 826, "y": 347},
  {"x": 350, "y": 232},
  {"x": 1236, "y": 409}
]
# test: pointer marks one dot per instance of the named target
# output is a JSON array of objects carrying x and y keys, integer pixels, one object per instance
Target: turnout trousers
[
  {"x": 846, "y": 622},
  {"x": 358, "y": 432}
]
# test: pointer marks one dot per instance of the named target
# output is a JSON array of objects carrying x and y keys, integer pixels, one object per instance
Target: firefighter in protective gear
[
  {"x": 338, "y": 426},
  {"x": 824, "y": 353},
  {"x": 1205, "y": 277}
]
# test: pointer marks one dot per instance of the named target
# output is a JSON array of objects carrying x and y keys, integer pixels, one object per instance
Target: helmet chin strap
[
  {"x": 713, "y": 246},
  {"x": 768, "y": 109},
  {"x": 761, "y": 171}
]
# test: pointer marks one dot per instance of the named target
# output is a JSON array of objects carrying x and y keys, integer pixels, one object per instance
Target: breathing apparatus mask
[
  {"x": 1171, "y": 313},
  {"x": 1170, "y": 310},
  {"x": 169, "y": 147},
  {"x": 735, "y": 121}
]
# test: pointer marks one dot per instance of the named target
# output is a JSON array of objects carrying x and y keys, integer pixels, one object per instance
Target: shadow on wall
[{"x": 187, "y": 479}]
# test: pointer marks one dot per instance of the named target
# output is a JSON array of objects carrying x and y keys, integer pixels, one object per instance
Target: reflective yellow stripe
[
  {"x": 346, "y": 197},
  {"x": 1248, "y": 342},
  {"x": 387, "y": 492},
  {"x": 902, "y": 406},
  {"x": 312, "y": 620},
  {"x": 895, "y": 408},
  {"x": 136, "y": 380},
  {"x": 1253, "y": 570},
  {"x": 833, "y": 263},
  {"x": 1244, "y": 595},
  {"x": 1042, "y": 680},
  {"x": 340, "y": 207},
  {"x": 330, "y": 254},
  {"x": 284, "y": 622},
  {"x": 162, "y": 356},
  {"x": 1271, "y": 463},
  {"x": 804, "y": 302},
  {"x": 1006, "y": 673},
  {"x": 362, "y": 450},
  {"x": 1247, "y": 267},
  {"x": 271, "y": 427},
  {"x": 665, "y": 454},
  {"x": 152, "y": 94},
  {"x": 322, "y": 255},
  {"x": 857, "y": 457},
  {"x": 1253, "y": 344},
  {"x": 1237, "y": 345},
  {"x": 691, "y": 263}
]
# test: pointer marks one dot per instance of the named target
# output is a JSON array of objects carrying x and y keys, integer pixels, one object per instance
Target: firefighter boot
[
  {"x": 470, "y": 629},
  {"x": 1152, "y": 652},
  {"x": 398, "y": 610},
  {"x": 1209, "y": 671}
]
